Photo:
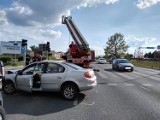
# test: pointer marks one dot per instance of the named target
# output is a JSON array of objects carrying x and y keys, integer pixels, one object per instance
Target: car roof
[{"x": 121, "y": 59}]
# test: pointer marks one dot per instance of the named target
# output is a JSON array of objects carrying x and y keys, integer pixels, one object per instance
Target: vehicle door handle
[{"x": 59, "y": 77}]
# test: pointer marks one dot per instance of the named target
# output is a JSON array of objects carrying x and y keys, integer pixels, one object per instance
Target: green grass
[
  {"x": 147, "y": 63},
  {"x": 17, "y": 63}
]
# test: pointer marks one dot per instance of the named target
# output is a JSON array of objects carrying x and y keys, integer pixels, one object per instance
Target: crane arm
[{"x": 75, "y": 33}]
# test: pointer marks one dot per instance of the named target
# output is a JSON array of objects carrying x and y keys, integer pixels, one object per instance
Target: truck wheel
[
  {"x": 69, "y": 91},
  {"x": 8, "y": 88},
  {"x": 2, "y": 113}
]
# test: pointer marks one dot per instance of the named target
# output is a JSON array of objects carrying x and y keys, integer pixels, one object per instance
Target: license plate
[{"x": 127, "y": 68}]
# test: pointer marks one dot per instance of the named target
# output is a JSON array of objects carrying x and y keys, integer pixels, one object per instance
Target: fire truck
[{"x": 79, "y": 52}]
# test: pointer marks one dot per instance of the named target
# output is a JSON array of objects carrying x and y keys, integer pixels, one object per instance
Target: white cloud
[
  {"x": 3, "y": 19},
  {"x": 136, "y": 42},
  {"x": 36, "y": 21},
  {"x": 91, "y": 3},
  {"x": 146, "y": 3},
  {"x": 28, "y": 12},
  {"x": 51, "y": 33},
  {"x": 141, "y": 41}
]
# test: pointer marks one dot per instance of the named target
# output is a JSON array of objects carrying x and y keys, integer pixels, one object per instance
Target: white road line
[
  {"x": 102, "y": 75},
  {"x": 88, "y": 103},
  {"x": 125, "y": 75},
  {"x": 112, "y": 84},
  {"x": 147, "y": 85},
  {"x": 145, "y": 88},
  {"x": 129, "y": 84}
]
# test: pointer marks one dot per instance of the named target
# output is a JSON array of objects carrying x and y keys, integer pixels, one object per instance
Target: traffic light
[
  {"x": 48, "y": 46},
  {"x": 24, "y": 42}
]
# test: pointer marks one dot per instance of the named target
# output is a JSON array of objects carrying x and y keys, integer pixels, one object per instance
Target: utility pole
[{"x": 24, "y": 45}]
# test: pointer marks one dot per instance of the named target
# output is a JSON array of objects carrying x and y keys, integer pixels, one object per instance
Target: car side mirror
[{"x": 19, "y": 72}]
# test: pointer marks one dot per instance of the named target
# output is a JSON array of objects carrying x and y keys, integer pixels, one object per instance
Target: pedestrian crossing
[
  {"x": 129, "y": 79},
  {"x": 129, "y": 75}
]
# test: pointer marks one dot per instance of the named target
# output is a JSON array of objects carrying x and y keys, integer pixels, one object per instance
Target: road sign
[
  {"x": 10, "y": 47},
  {"x": 150, "y": 47}
]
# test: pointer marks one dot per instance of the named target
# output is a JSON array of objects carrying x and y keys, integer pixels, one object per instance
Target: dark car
[
  {"x": 2, "y": 111},
  {"x": 111, "y": 60},
  {"x": 122, "y": 64}
]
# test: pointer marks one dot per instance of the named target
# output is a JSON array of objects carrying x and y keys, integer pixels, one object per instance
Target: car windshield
[
  {"x": 123, "y": 61},
  {"x": 101, "y": 59},
  {"x": 76, "y": 67}
]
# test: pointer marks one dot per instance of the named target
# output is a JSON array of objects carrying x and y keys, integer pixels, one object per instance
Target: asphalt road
[{"x": 118, "y": 96}]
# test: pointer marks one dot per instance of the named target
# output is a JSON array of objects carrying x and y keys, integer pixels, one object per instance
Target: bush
[
  {"x": 5, "y": 59},
  {"x": 20, "y": 58}
]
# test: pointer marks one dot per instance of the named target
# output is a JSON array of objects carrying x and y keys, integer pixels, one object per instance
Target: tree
[
  {"x": 116, "y": 46},
  {"x": 128, "y": 56},
  {"x": 33, "y": 48}
]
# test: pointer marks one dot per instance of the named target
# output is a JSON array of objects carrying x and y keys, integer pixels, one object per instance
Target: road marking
[
  {"x": 88, "y": 103},
  {"x": 144, "y": 88},
  {"x": 102, "y": 75},
  {"x": 112, "y": 84},
  {"x": 125, "y": 75},
  {"x": 147, "y": 85},
  {"x": 129, "y": 84}
]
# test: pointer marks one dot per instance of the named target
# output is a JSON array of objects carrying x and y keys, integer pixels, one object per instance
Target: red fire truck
[{"x": 79, "y": 52}]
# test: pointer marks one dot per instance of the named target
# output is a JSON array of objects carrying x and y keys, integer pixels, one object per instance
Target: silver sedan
[{"x": 61, "y": 76}]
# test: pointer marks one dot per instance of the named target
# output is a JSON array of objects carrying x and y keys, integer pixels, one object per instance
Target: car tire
[
  {"x": 69, "y": 91},
  {"x": 8, "y": 87},
  {"x": 117, "y": 68},
  {"x": 2, "y": 113},
  {"x": 112, "y": 68}
]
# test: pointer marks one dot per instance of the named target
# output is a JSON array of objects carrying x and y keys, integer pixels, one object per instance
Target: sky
[{"x": 39, "y": 21}]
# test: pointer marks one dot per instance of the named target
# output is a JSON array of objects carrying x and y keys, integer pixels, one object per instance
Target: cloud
[
  {"x": 29, "y": 13},
  {"x": 146, "y": 3},
  {"x": 134, "y": 41},
  {"x": 51, "y": 33},
  {"x": 91, "y": 3},
  {"x": 3, "y": 19}
]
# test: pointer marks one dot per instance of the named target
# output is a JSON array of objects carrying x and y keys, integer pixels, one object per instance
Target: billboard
[{"x": 12, "y": 47}]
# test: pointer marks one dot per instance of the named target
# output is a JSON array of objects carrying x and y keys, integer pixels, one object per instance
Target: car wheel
[
  {"x": 8, "y": 88},
  {"x": 117, "y": 68},
  {"x": 69, "y": 91},
  {"x": 2, "y": 114},
  {"x": 112, "y": 68}
]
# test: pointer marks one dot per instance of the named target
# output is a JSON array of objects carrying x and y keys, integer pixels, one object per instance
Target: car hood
[{"x": 126, "y": 64}]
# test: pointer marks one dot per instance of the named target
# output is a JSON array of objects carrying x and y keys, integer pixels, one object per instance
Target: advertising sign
[{"x": 11, "y": 47}]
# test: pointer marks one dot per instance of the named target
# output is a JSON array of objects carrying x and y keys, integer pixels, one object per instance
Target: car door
[
  {"x": 24, "y": 78},
  {"x": 53, "y": 77}
]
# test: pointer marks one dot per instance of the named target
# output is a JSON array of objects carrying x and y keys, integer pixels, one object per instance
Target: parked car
[
  {"x": 2, "y": 74},
  {"x": 111, "y": 60},
  {"x": 102, "y": 61},
  {"x": 122, "y": 64},
  {"x": 61, "y": 76}
]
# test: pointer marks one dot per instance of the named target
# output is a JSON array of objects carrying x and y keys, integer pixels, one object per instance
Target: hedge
[{"x": 5, "y": 59}]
